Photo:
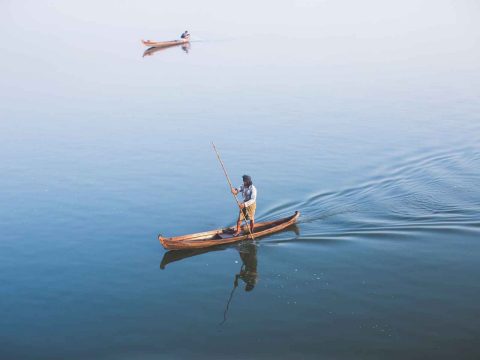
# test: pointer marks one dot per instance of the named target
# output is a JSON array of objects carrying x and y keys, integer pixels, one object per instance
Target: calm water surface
[{"x": 367, "y": 122}]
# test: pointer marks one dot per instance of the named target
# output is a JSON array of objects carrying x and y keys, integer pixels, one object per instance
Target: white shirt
[{"x": 249, "y": 194}]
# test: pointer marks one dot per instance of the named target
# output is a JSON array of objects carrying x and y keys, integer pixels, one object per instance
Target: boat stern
[{"x": 162, "y": 240}]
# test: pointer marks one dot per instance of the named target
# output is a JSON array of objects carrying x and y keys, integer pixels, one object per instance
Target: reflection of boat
[
  {"x": 248, "y": 272},
  {"x": 225, "y": 236},
  {"x": 164, "y": 43},
  {"x": 248, "y": 255},
  {"x": 177, "y": 255},
  {"x": 152, "y": 50},
  {"x": 172, "y": 256}
]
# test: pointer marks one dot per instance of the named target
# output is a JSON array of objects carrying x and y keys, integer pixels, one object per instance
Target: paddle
[{"x": 231, "y": 186}]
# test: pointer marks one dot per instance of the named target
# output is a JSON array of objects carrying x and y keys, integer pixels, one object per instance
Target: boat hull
[
  {"x": 224, "y": 236},
  {"x": 164, "y": 43}
]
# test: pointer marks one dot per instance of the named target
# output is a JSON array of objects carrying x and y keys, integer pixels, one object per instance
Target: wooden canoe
[
  {"x": 153, "y": 50},
  {"x": 225, "y": 235},
  {"x": 164, "y": 43}
]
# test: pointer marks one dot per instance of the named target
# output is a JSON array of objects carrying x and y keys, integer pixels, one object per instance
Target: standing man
[{"x": 247, "y": 208}]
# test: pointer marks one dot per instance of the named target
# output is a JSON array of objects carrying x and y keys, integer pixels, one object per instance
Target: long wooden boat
[
  {"x": 153, "y": 50},
  {"x": 225, "y": 235},
  {"x": 164, "y": 43}
]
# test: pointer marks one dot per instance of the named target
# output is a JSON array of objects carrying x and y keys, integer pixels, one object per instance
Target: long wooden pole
[{"x": 231, "y": 186}]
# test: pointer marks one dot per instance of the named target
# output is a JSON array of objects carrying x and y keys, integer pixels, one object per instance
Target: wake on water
[{"x": 435, "y": 191}]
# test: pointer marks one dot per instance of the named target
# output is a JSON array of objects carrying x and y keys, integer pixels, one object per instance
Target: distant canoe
[
  {"x": 164, "y": 43},
  {"x": 225, "y": 235},
  {"x": 154, "y": 50}
]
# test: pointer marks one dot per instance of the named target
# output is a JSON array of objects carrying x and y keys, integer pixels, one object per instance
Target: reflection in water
[
  {"x": 186, "y": 47},
  {"x": 177, "y": 255},
  {"x": 248, "y": 255},
  {"x": 248, "y": 271},
  {"x": 151, "y": 51}
]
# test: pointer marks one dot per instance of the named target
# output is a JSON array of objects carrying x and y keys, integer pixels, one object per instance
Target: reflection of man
[
  {"x": 186, "y": 47},
  {"x": 248, "y": 271}
]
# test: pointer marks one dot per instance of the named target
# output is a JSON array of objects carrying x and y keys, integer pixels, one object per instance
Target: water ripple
[{"x": 432, "y": 191}]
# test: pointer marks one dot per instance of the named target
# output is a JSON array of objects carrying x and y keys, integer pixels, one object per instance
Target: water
[{"x": 366, "y": 121}]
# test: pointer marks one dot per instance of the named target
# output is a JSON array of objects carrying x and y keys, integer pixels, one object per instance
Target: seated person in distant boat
[
  {"x": 185, "y": 35},
  {"x": 247, "y": 208}
]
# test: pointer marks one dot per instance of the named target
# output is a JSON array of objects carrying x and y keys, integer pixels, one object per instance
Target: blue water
[{"x": 369, "y": 126}]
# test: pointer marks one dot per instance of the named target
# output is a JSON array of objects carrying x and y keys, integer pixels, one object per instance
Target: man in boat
[
  {"x": 185, "y": 35},
  {"x": 247, "y": 208}
]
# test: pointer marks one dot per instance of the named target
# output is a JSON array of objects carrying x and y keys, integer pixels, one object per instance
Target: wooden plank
[{"x": 225, "y": 236}]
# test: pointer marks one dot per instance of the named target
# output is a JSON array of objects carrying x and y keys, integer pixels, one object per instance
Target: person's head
[{"x": 247, "y": 180}]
